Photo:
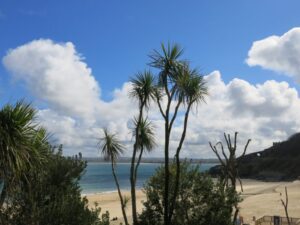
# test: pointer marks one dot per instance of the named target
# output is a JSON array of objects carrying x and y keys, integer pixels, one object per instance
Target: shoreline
[{"x": 140, "y": 188}]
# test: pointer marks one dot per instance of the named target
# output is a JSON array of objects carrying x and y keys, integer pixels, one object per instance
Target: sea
[{"x": 98, "y": 176}]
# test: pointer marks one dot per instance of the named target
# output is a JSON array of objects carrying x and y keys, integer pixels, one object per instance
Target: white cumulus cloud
[
  {"x": 278, "y": 53},
  {"x": 55, "y": 74},
  {"x": 264, "y": 112}
]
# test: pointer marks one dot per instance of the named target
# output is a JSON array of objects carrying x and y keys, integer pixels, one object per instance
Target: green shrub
[
  {"x": 50, "y": 195},
  {"x": 200, "y": 201}
]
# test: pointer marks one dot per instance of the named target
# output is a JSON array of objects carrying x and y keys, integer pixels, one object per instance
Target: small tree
[
  {"x": 200, "y": 201},
  {"x": 111, "y": 148},
  {"x": 285, "y": 205},
  {"x": 229, "y": 163}
]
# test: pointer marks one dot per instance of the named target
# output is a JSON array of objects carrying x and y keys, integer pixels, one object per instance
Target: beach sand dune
[{"x": 259, "y": 199}]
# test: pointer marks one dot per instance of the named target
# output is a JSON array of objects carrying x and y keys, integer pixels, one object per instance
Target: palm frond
[
  {"x": 110, "y": 146},
  {"x": 189, "y": 85},
  {"x": 143, "y": 88},
  {"x": 146, "y": 134},
  {"x": 166, "y": 57},
  {"x": 18, "y": 139}
]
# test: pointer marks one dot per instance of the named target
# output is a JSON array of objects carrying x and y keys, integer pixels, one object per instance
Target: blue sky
[{"x": 115, "y": 37}]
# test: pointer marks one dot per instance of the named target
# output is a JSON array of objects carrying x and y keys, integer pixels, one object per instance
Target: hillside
[{"x": 277, "y": 163}]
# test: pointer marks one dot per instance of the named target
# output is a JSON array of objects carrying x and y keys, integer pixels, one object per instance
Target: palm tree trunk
[
  {"x": 120, "y": 194},
  {"x": 167, "y": 173},
  {"x": 177, "y": 177},
  {"x": 3, "y": 194},
  {"x": 132, "y": 167},
  {"x": 138, "y": 163},
  {"x": 132, "y": 184}
]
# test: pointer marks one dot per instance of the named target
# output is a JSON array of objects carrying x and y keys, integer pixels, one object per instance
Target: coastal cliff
[{"x": 279, "y": 162}]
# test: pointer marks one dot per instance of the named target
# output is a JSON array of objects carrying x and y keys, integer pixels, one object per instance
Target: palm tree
[
  {"x": 111, "y": 148},
  {"x": 143, "y": 89},
  {"x": 22, "y": 144},
  {"x": 167, "y": 61},
  {"x": 184, "y": 86},
  {"x": 191, "y": 90}
]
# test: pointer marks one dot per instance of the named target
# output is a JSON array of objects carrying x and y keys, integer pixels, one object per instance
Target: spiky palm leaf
[
  {"x": 196, "y": 91},
  {"x": 190, "y": 86},
  {"x": 167, "y": 60},
  {"x": 143, "y": 88},
  {"x": 110, "y": 146},
  {"x": 146, "y": 138},
  {"x": 21, "y": 140}
]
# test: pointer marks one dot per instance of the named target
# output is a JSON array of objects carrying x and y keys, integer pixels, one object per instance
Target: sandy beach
[
  {"x": 264, "y": 198},
  {"x": 110, "y": 202},
  {"x": 260, "y": 198}
]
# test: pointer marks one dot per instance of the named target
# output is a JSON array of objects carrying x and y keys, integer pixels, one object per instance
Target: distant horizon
[{"x": 151, "y": 159}]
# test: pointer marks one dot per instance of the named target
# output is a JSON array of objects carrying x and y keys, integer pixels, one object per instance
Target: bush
[
  {"x": 50, "y": 195},
  {"x": 200, "y": 200}
]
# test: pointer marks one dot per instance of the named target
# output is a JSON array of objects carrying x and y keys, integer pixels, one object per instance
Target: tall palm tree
[
  {"x": 191, "y": 90},
  {"x": 179, "y": 84},
  {"x": 22, "y": 144},
  {"x": 167, "y": 61},
  {"x": 143, "y": 90},
  {"x": 111, "y": 149}
]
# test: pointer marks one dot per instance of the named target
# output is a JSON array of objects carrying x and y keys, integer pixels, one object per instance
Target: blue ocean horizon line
[
  {"x": 98, "y": 176},
  {"x": 152, "y": 160}
]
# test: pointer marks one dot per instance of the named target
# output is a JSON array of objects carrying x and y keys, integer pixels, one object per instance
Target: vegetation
[
  {"x": 285, "y": 205},
  {"x": 180, "y": 85},
  {"x": 40, "y": 186},
  {"x": 229, "y": 164},
  {"x": 111, "y": 148},
  {"x": 143, "y": 90},
  {"x": 200, "y": 201},
  {"x": 51, "y": 195},
  {"x": 176, "y": 88},
  {"x": 276, "y": 163},
  {"x": 22, "y": 144}
]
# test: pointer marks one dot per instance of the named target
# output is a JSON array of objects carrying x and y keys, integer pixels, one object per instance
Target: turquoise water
[{"x": 98, "y": 176}]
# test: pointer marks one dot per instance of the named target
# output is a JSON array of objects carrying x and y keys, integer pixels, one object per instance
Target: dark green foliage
[
  {"x": 200, "y": 200},
  {"x": 23, "y": 144},
  {"x": 51, "y": 195}
]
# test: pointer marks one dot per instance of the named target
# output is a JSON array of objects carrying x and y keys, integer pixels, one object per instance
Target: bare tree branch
[
  {"x": 285, "y": 205},
  {"x": 246, "y": 146}
]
